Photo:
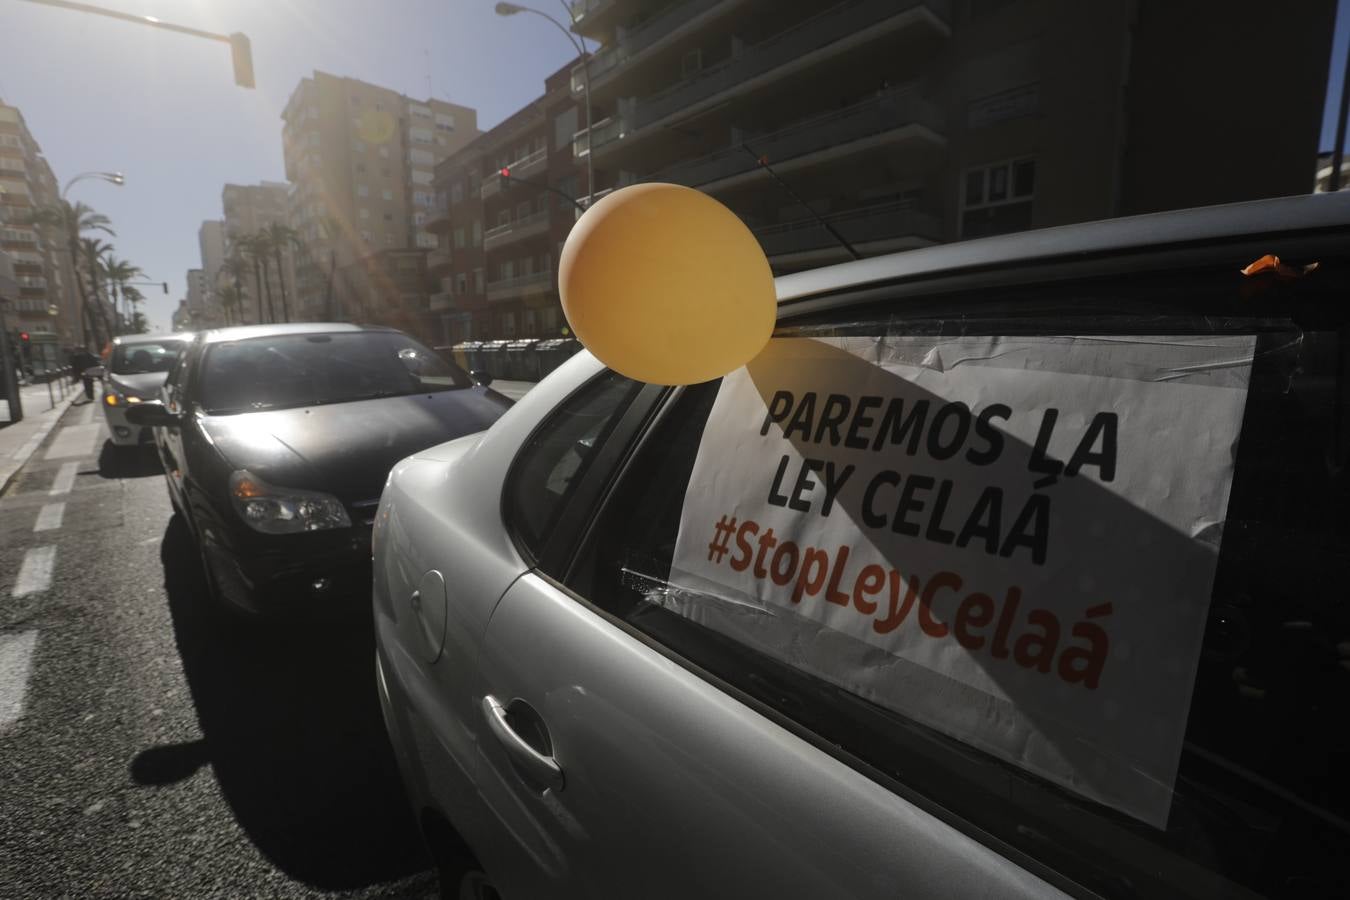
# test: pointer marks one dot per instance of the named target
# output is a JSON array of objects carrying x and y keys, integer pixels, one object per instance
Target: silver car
[
  {"x": 1045, "y": 607},
  {"x": 136, "y": 369}
]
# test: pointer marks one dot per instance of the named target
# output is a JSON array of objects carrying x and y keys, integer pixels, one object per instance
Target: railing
[
  {"x": 526, "y": 165},
  {"x": 582, "y": 8},
  {"x": 635, "y": 40},
  {"x": 877, "y": 115},
  {"x": 523, "y": 227},
  {"x": 438, "y": 258},
  {"x": 608, "y": 129},
  {"x": 858, "y": 226},
  {"x": 834, "y": 24},
  {"x": 440, "y": 301},
  {"x": 505, "y": 288}
]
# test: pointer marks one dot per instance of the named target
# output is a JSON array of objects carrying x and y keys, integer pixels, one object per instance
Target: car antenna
[{"x": 763, "y": 163}]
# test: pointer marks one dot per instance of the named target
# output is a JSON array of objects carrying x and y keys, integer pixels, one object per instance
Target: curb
[{"x": 9, "y": 469}]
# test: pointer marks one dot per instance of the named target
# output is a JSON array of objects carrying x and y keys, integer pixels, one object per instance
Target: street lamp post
[
  {"x": 116, "y": 178},
  {"x": 510, "y": 9}
]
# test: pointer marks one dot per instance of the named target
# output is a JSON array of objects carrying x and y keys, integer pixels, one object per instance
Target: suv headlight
[
  {"x": 282, "y": 510},
  {"x": 117, "y": 398}
]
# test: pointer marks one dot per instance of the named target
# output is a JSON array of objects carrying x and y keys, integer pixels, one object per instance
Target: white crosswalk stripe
[
  {"x": 16, "y": 664},
  {"x": 35, "y": 572},
  {"x": 49, "y": 517},
  {"x": 65, "y": 479}
]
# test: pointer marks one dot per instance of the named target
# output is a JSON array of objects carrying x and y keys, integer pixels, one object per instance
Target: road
[{"x": 149, "y": 750}]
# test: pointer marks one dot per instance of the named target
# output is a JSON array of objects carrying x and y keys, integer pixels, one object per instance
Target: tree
[
  {"x": 281, "y": 237},
  {"x": 257, "y": 249},
  {"x": 231, "y": 298},
  {"x": 72, "y": 220},
  {"x": 235, "y": 267},
  {"x": 139, "y": 324},
  {"x": 93, "y": 251},
  {"x": 117, "y": 272}
]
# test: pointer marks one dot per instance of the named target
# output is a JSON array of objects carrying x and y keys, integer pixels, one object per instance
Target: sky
[
  {"x": 103, "y": 95},
  {"x": 99, "y": 94}
]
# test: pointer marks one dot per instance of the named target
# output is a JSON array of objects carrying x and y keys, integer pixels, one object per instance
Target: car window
[
  {"x": 177, "y": 377},
  {"x": 291, "y": 370},
  {"x": 551, "y": 463},
  {"x": 1259, "y": 799},
  {"x": 143, "y": 357}
]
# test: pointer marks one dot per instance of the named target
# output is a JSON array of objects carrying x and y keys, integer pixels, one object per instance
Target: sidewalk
[{"x": 19, "y": 441}]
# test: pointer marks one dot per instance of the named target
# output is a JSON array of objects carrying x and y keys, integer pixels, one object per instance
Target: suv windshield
[
  {"x": 145, "y": 356},
  {"x": 292, "y": 370}
]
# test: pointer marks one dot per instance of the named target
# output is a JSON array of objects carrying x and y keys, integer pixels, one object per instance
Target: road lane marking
[
  {"x": 35, "y": 572},
  {"x": 74, "y": 440},
  {"x": 87, "y": 417},
  {"x": 16, "y": 664},
  {"x": 65, "y": 479},
  {"x": 49, "y": 517}
]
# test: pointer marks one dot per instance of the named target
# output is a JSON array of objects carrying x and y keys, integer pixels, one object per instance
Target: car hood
[
  {"x": 347, "y": 449},
  {"x": 146, "y": 384}
]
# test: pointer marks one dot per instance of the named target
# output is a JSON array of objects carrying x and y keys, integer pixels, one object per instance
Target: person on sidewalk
[{"x": 82, "y": 361}]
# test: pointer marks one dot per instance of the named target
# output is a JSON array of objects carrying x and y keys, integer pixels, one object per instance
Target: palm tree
[
  {"x": 281, "y": 237},
  {"x": 94, "y": 251},
  {"x": 117, "y": 272},
  {"x": 72, "y": 220},
  {"x": 257, "y": 248},
  {"x": 237, "y": 269},
  {"x": 231, "y": 298},
  {"x": 134, "y": 298}
]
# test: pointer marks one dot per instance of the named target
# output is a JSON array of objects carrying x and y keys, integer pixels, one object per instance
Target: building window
[
  {"x": 477, "y": 233},
  {"x": 361, "y": 167},
  {"x": 461, "y": 283},
  {"x": 387, "y": 194},
  {"x": 522, "y": 210},
  {"x": 365, "y": 236},
  {"x": 478, "y": 281},
  {"x": 459, "y": 238},
  {"x": 998, "y": 198},
  {"x": 362, "y": 191},
  {"x": 384, "y": 153},
  {"x": 357, "y": 146},
  {"x": 445, "y": 121},
  {"x": 457, "y": 192},
  {"x": 364, "y": 213},
  {"x": 567, "y": 186},
  {"x": 388, "y": 240},
  {"x": 389, "y": 217}
]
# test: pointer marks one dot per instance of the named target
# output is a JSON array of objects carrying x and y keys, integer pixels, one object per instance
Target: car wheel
[{"x": 467, "y": 884}]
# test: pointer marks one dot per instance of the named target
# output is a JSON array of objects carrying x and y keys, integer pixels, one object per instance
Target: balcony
[
  {"x": 531, "y": 164},
  {"x": 441, "y": 301},
  {"x": 438, "y": 259},
  {"x": 883, "y": 227},
  {"x": 606, "y": 130},
  {"x": 902, "y": 116},
  {"x": 587, "y": 14},
  {"x": 677, "y": 18},
  {"x": 832, "y": 32},
  {"x": 438, "y": 217},
  {"x": 520, "y": 286},
  {"x": 501, "y": 235}
]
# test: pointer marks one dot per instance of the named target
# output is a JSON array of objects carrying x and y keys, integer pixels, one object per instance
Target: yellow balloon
[{"x": 666, "y": 285}]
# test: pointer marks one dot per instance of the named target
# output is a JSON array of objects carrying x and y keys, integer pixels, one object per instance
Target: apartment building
[
  {"x": 361, "y": 159},
  {"x": 249, "y": 209},
  {"x": 44, "y": 301},
  {"x": 501, "y": 234},
  {"x": 907, "y": 122},
  {"x": 212, "y": 243}
]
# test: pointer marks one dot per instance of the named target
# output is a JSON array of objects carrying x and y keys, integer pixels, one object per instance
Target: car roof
[
  {"x": 1131, "y": 235},
  {"x": 245, "y": 332},
  {"x": 125, "y": 339}
]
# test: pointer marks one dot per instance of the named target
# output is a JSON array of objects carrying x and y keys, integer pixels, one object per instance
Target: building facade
[
  {"x": 505, "y": 204},
  {"x": 211, "y": 241},
  {"x": 45, "y": 300},
  {"x": 907, "y": 122},
  {"x": 361, "y": 160},
  {"x": 250, "y": 209}
]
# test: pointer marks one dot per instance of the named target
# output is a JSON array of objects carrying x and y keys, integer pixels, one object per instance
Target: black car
[{"x": 276, "y": 441}]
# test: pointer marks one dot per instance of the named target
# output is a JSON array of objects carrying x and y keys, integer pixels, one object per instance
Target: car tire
[{"x": 466, "y": 884}]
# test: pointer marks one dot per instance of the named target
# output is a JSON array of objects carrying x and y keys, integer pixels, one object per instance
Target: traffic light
[
  {"x": 506, "y": 171},
  {"x": 25, "y": 348},
  {"x": 241, "y": 52}
]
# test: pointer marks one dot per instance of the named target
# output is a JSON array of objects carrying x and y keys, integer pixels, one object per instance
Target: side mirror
[
  {"x": 481, "y": 377},
  {"x": 96, "y": 371},
  {"x": 152, "y": 413}
]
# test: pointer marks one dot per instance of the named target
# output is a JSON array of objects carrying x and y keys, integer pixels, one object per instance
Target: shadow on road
[
  {"x": 128, "y": 462},
  {"x": 292, "y": 728}
]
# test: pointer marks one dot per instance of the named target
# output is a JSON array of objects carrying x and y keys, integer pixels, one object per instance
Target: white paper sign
[{"x": 1011, "y": 540}]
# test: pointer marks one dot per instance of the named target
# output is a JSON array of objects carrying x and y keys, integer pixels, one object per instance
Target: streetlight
[
  {"x": 510, "y": 9},
  {"x": 116, "y": 178}
]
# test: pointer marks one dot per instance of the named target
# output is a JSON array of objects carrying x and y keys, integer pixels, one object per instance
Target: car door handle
[{"x": 544, "y": 768}]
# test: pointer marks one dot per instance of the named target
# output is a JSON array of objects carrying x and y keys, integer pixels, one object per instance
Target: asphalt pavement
[{"x": 149, "y": 748}]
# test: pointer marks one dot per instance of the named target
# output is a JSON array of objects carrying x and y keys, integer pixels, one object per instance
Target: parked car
[
  {"x": 135, "y": 371},
  {"x": 1010, "y": 569},
  {"x": 276, "y": 440}
]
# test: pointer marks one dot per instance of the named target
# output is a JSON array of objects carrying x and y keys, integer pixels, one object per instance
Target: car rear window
[
  {"x": 144, "y": 357},
  {"x": 291, "y": 370},
  {"x": 1156, "y": 711}
]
